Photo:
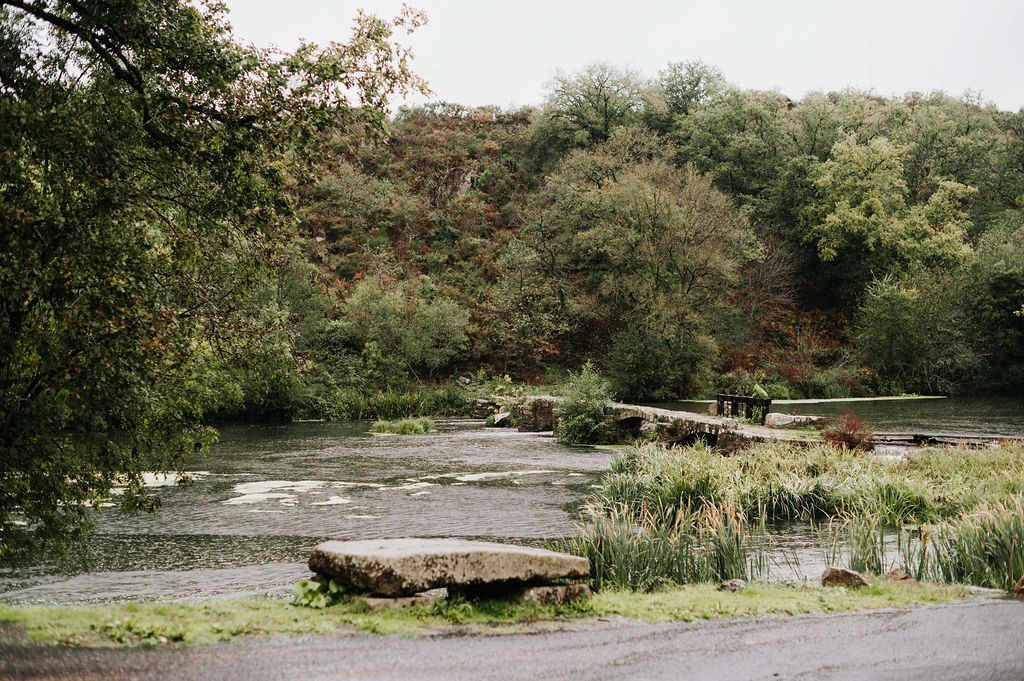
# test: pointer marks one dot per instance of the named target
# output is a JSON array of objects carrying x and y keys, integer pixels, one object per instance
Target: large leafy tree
[
  {"x": 145, "y": 158},
  {"x": 649, "y": 250}
]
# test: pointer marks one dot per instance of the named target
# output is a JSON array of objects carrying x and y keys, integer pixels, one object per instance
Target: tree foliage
[{"x": 143, "y": 190}]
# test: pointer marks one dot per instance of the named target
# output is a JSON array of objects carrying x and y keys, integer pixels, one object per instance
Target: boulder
[
  {"x": 732, "y": 585},
  {"x": 834, "y": 576},
  {"x": 777, "y": 420},
  {"x": 405, "y": 566}
]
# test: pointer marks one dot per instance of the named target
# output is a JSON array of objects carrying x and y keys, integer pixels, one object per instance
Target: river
[
  {"x": 974, "y": 415},
  {"x": 266, "y": 494}
]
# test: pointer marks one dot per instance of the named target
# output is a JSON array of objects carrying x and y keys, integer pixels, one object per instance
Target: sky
[{"x": 478, "y": 52}]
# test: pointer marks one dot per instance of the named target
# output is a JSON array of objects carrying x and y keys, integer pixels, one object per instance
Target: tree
[
  {"x": 593, "y": 101},
  {"x": 405, "y": 328},
  {"x": 686, "y": 85},
  {"x": 142, "y": 195},
  {"x": 863, "y": 226},
  {"x": 643, "y": 243}
]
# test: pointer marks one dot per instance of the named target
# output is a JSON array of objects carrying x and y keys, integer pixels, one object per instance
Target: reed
[
  {"x": 985, "y": 548},
  {"x": 784, "y": 481},
  {"x": 634, "y": 550}
]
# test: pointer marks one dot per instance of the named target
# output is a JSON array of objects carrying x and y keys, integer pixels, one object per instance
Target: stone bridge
[{"x": 626, "y": 421}]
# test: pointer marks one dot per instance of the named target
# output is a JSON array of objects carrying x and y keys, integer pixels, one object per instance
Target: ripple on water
[{"x": 266, "y": 494}]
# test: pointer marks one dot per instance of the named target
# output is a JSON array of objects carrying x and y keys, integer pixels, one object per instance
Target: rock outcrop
[{"x": 406, "y": 566}]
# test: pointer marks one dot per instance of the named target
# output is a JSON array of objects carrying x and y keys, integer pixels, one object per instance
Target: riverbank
[{"x": 179, "y": 623}]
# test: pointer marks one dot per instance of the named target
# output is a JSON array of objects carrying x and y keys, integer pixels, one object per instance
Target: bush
[
  {"x": 403, "y": 427},
  {"x": 830, "y": 384},
  {"x": 849, "y": 432},
  {"x": 580, "y": 413}
]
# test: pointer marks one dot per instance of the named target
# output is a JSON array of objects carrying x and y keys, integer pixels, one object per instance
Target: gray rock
[
  {"x": 834, "y": 576},
  {"x": 777, "y": 420},
  {"x": 732, "y": 585},
  {"x": 503, "y": 419},
  {"x": 405, "y": 566}
]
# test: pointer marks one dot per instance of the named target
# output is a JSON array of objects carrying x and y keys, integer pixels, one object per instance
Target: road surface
[{"x": 979, "y": 639}]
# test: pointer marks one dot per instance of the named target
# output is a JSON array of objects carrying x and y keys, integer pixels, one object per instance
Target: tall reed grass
[
  {"x": 984, "y": 548},
  {"x": 785, "y": 481},
  {"x": 634, "y": 550}
]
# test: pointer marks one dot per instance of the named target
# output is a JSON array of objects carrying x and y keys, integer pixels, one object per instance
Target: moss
[{"x": 176, "y": 623}]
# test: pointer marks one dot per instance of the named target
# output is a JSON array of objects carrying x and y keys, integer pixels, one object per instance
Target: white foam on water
[
  {"x": 497, "y": 475},
  {"x": 281, "y": 497},
  {"x": 362, "y": 517},
  {"x": 332, "y": 501},
  {"x": 264, "y": 486},
  {"x": 419, "y": 494}
]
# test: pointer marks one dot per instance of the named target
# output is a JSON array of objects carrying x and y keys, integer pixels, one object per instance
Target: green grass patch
[
  {"x": 141, "y": 624},
  {"x": 705, "y": 601},
  {"x": 418, "y": 426}
]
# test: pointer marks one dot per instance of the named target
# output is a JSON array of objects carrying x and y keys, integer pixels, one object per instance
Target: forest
[
  {"x": 685, "y": 236},
  {"x": 196, "y": 231}
]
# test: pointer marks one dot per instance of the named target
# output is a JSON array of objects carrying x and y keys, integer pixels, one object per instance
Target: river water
[
  {"x": 266, "y": 494},
  {"x": 973, "y": 415}
]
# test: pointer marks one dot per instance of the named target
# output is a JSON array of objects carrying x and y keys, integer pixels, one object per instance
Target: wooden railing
[{"x": 748, "y": 403}]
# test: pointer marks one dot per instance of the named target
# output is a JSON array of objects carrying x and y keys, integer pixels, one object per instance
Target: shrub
[
  {"x": 404, "y": 427},
  {"x": 849, "y": 432},
  {"x": 581, "y": 412},
  {"x": 829, "y": 384}
]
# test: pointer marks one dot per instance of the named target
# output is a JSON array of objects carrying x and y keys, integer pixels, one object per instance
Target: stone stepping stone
[{"x": 406, "y": 566}]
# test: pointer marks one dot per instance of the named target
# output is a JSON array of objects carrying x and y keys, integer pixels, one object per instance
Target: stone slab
[
  {"x": 409, "y": 565},
  {"x": 780, "y": 420}
]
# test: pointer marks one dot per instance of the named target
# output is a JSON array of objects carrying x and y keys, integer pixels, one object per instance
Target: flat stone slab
[{"x": 409, "y": 565}]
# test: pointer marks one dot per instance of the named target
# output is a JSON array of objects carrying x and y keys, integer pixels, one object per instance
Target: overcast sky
[{"x": 497, "y": 52}]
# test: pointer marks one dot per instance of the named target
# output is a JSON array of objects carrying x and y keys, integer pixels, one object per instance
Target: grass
[
  {"x": 417, "y": 426},
  {"x": 984, "y": 548},
  {"x": 641, "y": 554},
  {"x": 788, "y": 481},
  {"x": 135, "y": 624},
  {"x": 422, "y": 400}
]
